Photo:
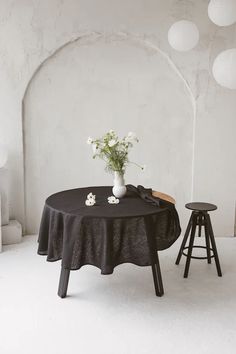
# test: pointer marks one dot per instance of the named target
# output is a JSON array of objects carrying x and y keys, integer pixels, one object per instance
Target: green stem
[{"x": 136, "y": 164}]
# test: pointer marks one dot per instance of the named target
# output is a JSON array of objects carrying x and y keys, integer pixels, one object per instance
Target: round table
[{"x": 106, "y": 235}]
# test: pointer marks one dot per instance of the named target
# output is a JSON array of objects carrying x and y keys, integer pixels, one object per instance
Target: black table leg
[
  {"x": 63, "y": 283},
  {"x": 157, "y": 278},
  {"x": 156, "y": 269},
  {"x": 184, "y": 240},
  {"x": 212, "y": 238}
]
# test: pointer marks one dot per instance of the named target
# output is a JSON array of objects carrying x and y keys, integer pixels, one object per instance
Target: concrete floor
[{"x": 118, "y": 313}]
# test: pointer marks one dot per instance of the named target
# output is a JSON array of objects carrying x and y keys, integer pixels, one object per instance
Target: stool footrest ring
[{"x": 195, "y": 257}]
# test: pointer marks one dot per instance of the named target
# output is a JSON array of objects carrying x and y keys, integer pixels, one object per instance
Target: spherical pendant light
[
  {"x": 222, "y": 12},
  {"x": 183, "y": 35},
  {"x": 224, "y": 68}
]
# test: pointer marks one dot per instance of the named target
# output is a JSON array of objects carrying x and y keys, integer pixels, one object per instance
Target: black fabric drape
[{"x": 105, "y": 235}]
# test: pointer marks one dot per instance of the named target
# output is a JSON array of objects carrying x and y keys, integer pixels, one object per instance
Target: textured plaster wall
[
  {"x": 30, "y": 31},
  {"x": 98, "y": 83}
]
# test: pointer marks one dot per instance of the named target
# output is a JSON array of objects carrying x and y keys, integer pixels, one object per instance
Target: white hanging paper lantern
[
  {"x": 224, "y": 68},
  {"x": 222, "y": 12},
  {"x": 183, "y": 35}
]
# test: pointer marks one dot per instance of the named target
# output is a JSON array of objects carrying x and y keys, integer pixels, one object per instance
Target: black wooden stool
[{"x": 200, "y": 218}]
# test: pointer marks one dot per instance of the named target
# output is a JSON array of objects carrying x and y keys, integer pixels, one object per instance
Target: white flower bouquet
[{"x": 114, "y": 151}]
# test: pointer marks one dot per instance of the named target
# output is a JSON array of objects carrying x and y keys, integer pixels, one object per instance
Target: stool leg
[
  {"x": 184, "y": 240},
  {"x": 212, "y": 238},
  {"x": 199, "y": 225},
  {"x": 190, "y": 247},
  {"x": 207, "y": 241}
]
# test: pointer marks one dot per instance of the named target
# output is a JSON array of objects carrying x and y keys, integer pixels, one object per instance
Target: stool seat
[{"x": 200, "y": 206}]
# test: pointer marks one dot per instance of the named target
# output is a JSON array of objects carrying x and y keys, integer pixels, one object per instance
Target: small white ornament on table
[
  {"x": 113, "y": 200},
  {"x": 91, "y": 199}
]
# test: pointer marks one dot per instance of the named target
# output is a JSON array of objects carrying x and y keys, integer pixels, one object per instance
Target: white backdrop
[
  {"x": 89, "y": 87},
  {"x": 31, "y": 31}
]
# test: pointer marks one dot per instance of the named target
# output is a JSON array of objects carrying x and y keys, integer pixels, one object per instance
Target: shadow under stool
[{"x": 199, "y": 218}]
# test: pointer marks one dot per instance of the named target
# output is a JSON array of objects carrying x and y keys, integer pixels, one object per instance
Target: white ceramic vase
[{"x": 119, "y": 188}]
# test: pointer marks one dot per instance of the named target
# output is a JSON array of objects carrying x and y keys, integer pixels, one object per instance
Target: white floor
[{"x": 117, "y": 313}]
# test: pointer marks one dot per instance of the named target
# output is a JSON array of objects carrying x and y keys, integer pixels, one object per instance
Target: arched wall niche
[{"x": 93, "y": 84}]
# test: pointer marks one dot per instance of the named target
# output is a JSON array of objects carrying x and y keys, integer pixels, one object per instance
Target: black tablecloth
[{"x": 105, "y": 235}]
